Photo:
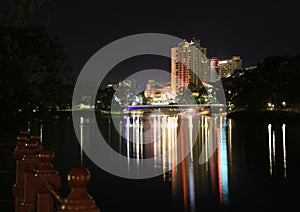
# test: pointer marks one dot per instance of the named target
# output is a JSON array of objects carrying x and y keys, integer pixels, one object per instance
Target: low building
[{"x": 227, "y": 67}]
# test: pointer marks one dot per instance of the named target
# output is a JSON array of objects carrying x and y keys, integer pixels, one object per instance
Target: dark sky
[{"x": 251, "y": 30}]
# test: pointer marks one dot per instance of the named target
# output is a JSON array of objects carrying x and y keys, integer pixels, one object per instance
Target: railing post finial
[{"x": 79, "y": 199}]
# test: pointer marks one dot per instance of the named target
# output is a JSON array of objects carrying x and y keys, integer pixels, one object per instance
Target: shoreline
[{"x": 237, "y": 115}]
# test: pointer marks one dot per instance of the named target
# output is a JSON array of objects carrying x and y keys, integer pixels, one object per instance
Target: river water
[{"x": 198, "y": 163}]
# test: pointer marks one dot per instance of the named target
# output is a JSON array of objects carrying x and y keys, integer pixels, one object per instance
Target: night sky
[{"x": 251, "y": 30}]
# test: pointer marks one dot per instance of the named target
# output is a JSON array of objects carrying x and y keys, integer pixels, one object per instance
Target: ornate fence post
[
  {"x": 30, "y": 161},
  {"x": 37, "y": 181},
  {"x": 79, "y": 199},
  {"x": 18, "y": 188},
  {"x": 45, "y": 174}
]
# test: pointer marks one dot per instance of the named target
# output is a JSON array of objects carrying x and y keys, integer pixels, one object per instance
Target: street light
[
  {"x": 283, "y": 103},
  {"x": 270, "y": 106}
]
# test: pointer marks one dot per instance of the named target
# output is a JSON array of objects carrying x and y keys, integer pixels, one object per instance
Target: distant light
[
  {"x": 284, "y": 104},
  {"x": 223, "y": 62}
]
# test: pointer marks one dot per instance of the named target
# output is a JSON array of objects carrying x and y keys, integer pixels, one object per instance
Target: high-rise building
[{"x": 189, "y": 65}]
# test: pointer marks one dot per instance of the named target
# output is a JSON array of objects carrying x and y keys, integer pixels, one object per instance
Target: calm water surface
[{"x": 228, "y": 165}]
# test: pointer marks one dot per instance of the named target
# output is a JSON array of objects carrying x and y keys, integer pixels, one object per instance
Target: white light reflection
[
  {"x": 164, "y": 148},
  {"x": 174, "y": 139},
  {"x": 284, "y": 150},
  {"x": 154, "y": 124},
  {"x": 191, "y": 136},
  {"x": 206, "y": 139},
  {"x": 136, "y": 141},
  {"x": 141, "y": 139},
  {"x": 270, "y": 149},
  {"x": 41, "y": 133},
  {"x": 273, "y": 146},
  {"x": 81, "y": 138},
  {"x": 128, "y": 138}
]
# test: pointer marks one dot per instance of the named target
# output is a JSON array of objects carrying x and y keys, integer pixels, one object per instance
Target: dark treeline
[
  {"x": 35, "y": 74},
  {"x": 275, "y": 80}
]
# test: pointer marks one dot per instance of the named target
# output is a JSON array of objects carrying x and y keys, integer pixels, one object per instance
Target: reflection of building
[
  {"x": 227, "y": 67},
  {"x": 188, "y": 65},
  {"x": 212, "y": 154},
  {"x": 195, "y": 155}
]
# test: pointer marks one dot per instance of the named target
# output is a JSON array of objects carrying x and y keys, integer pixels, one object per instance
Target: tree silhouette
[
  {"x": 275, "y": 80},
  {"x": 34, "y": 68},
  {"x": 18, "y": 12}
]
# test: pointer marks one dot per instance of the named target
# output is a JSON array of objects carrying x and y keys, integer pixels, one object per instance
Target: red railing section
[{"x": 37, "y": 181}]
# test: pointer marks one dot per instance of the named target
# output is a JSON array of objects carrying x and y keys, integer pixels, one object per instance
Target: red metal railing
[
  {"x": 12, "y": 172},
  {"x": 37, "y": 182}
]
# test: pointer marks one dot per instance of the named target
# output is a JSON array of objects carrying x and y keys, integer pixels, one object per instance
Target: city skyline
[
  {"x": 184, "y": 107},
  {"x": 189, "y": 64}
]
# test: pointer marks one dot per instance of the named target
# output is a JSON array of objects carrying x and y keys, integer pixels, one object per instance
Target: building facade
[
  {"x": 227, "y": 67},
  {"x": 189, "y": 65},
  {"x": 159, "y": 92}
]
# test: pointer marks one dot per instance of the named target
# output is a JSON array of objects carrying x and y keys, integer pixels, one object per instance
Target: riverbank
[
  {"x": 288, "y": 116},
  {"x": 68, "y": 113}
]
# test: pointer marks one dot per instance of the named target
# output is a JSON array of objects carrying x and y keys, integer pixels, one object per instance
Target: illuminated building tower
[{"x": 189, "y": 65}]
